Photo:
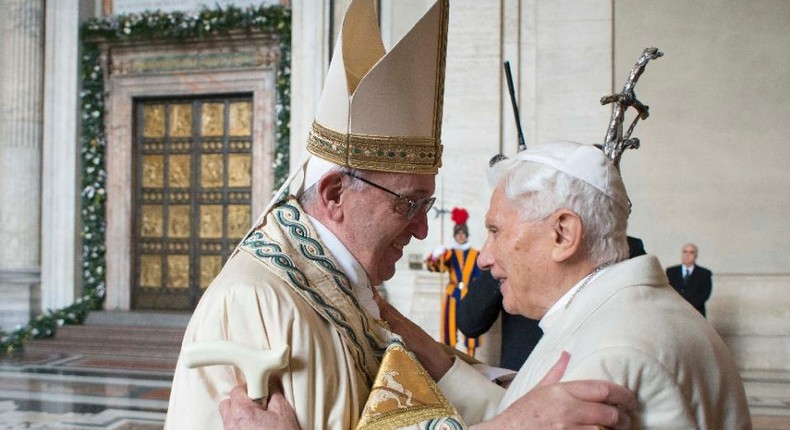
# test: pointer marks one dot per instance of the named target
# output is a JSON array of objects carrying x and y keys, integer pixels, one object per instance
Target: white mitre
[
  {"x": 379, "y": 110},
  {"x": 382, "y": 110}
]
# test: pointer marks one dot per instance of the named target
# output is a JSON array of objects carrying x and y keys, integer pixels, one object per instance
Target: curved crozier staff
[{"x": 616, "y": 141}]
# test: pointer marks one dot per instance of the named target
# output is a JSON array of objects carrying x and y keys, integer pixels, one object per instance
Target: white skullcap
[{"x": 584, "y": 162}]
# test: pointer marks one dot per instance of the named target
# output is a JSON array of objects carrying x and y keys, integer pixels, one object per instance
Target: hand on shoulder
[
  {"x": 239, "y": 412},
  {"x": 571, "y": 404}
]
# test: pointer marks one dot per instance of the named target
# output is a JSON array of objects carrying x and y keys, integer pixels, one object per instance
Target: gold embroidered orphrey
[{"x": 404, "y": 394}]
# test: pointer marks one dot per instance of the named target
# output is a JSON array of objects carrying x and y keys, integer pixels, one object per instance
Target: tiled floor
[
  {"x": 105, "y": 387},
  {"x": 113, "y": 372},
  {"x": 70, "y": 392}
]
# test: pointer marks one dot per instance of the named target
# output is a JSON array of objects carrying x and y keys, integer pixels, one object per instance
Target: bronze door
[{"x": 193, "y": 160}]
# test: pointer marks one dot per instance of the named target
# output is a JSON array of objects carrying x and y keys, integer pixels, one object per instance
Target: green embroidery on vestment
[{"x": 289, "y": 218}]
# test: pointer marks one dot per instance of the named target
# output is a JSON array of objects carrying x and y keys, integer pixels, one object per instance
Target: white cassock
[{"x": 630, "y": 327}]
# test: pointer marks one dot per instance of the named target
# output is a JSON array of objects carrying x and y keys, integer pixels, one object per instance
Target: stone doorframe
[{"x": 229, "y": 64}]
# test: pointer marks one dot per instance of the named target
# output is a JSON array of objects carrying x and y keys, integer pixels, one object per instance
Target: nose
[
  {"x": 485, "y": 259},
  {"x": 418, "y": 226}
]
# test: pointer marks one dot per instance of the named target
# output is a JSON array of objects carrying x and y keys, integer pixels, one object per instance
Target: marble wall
[
  {"x": 711, "y": 167},
  {"x": 752, "y": 314}
]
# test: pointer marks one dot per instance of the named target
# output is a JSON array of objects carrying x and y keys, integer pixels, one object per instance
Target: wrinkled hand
[
  {"x": 239, "y": 412},
  {"x": 584, "y": 404},
  {"x": 430, "y": 352}
]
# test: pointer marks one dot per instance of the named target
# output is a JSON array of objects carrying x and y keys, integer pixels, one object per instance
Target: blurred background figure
[
  {"x": 693, "y": 282},
  {"x": 460, "y": 261}
]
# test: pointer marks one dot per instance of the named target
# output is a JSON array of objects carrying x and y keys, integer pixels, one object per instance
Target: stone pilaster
[
  {"x": 20, "y": 159},
  {"x": 60, "y": 258},
  {"x": 309, "y": 62}
]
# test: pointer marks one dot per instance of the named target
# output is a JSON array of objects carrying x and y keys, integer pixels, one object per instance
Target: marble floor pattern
[
  {"x": 55, "y": 391},
  {"x": 113, "y": 372},
  {"x": 103, "y": 386}
]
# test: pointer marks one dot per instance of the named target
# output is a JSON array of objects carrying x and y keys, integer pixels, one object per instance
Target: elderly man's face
[
  {"x": 375, "y": 233},
  {"x": 517, "y": 253},
  {"x": 689, "y": 255}
]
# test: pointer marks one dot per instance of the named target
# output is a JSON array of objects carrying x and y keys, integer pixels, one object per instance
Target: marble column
[
  {"x": 20, "y": 159},
  {"x": 60, "y": 197},
  {"x": 309, "y": 63}
]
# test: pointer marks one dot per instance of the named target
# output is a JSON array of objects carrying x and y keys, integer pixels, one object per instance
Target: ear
[
  {"x": 330, "y": 193},
  {"x": 568, "y": 232}
]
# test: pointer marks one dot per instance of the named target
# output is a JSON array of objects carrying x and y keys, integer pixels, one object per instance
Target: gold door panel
[{"x": 192, "y": 195}]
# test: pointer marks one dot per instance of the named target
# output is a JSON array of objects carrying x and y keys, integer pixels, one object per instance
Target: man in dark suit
[{"x": 693, "y": 282}]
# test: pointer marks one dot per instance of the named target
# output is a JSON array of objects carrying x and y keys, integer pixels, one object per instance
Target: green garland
[{"x": 146, "y": 26}]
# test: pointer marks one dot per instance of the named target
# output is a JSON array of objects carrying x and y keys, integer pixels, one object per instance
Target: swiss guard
[{"x": 460, "y": 261}]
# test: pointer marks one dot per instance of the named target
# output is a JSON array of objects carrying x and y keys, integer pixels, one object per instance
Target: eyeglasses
[{"x": 403, "y": 205}]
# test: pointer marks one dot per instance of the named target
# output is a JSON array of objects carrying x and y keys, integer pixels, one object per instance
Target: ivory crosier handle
[{"x": 256, "y": 364}]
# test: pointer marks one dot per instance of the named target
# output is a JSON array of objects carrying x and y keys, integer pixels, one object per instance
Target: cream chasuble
[{"x": 282, "y": 286}]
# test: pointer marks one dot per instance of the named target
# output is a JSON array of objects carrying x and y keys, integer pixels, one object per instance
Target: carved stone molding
[{"x": 225, "y": 65}]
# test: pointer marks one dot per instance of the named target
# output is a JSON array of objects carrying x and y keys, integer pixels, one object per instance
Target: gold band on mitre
[{"x": 381, "y": 153}]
